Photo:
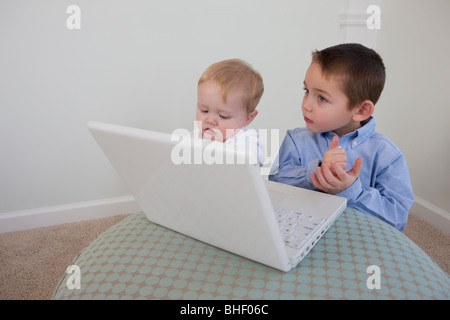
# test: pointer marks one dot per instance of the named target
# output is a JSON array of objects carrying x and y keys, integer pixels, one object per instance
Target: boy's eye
[
  {"x": 322, "y": 99},
  {"x": 306, "y": 90}
]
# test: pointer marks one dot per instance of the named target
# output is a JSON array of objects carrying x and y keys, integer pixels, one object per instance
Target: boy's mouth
[{"x": 307, "y": 120}]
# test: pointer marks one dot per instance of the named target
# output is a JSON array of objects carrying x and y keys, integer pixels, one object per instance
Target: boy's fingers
[
  {"x": 315, "y": 181},
  {"x": 341, "y": 172},
  {"x": 334, "y": 143},
  {"x": 356, "y": 168},
  {"x": 329, "y": 173}
]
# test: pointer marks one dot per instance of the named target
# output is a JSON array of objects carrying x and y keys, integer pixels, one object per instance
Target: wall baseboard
[
  {"x": 43, "y": 217},
  {"x": 431, "y": 214}
]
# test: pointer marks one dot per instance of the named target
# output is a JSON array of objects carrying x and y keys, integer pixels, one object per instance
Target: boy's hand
[
  {"x": 336, "y": 154},
  {"x": 333, "y": 183}
]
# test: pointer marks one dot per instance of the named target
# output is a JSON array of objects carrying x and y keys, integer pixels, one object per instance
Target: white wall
[
  {"x": 137, "y": 62},
  {"x": 414, "y": 109},
  {"x": 134, "y": 63}
]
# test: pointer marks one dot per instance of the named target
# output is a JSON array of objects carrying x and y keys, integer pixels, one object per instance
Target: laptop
[{"x": 229, "y": 206}]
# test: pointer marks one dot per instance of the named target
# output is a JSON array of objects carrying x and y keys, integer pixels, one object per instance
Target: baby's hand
[{"x": 336, "y": 154}]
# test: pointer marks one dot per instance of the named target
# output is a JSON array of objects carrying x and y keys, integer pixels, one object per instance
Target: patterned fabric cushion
[{"x": 359, "y": 257}]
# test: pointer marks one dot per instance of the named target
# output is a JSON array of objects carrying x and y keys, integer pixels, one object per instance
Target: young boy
[
  {"x": 228, "y": 93},
  {"x": 342, "y": 85}
]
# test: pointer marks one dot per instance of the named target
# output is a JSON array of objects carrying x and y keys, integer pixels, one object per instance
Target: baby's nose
[{"x": 211, "y": 119}]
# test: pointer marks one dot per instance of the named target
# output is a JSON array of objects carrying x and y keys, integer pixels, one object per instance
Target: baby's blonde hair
[{"x": 233, "y": 73}]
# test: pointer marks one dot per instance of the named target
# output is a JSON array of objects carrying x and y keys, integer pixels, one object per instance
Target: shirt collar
[{"x": 358, "y": 136}]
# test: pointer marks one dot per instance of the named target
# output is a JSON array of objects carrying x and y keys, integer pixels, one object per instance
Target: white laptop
[{"x": 229, "y": 206}]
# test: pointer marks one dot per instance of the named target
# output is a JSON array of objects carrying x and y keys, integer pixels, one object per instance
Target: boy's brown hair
[
  {"x": 233, "y": 73},
  {"x": 360, "y": 70}
]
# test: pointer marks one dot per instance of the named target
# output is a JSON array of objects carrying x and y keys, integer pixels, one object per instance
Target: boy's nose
[{"x": 306, "y": 105}]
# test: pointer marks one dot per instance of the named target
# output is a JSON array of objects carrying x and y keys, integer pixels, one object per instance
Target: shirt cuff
[{"x": 310, "y": 168}]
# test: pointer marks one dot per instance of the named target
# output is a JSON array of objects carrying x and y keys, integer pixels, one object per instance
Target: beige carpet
[{"x": 32, "y": 262}]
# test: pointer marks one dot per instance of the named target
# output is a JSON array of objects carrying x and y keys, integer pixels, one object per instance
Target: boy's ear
[
  {"x": 251, "y": 116},
  {"x": 364, "y": 111}
]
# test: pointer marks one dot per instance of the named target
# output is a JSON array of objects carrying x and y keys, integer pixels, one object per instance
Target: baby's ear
[
  {"x": 251, "y": 116},
  {"x": 364, "y": 111}
]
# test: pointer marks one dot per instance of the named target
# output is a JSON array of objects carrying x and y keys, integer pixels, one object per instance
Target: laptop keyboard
[{"x": 296, "y": 228}]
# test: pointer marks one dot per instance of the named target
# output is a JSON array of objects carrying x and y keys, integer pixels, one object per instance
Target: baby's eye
[
  {"x": 223, "y": 116},
  {"x": 306, "y": 90},
  {"x": 203, "y": 111},
  {"x": 322, "y": 99}
]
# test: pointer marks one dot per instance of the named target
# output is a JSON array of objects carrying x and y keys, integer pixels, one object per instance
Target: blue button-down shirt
[{"x": 383, "y": 187}]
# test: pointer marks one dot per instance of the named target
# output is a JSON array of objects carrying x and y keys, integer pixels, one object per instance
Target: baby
[{"x": 228, "y": 93}]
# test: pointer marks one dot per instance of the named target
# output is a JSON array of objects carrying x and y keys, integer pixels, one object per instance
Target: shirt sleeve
[
  {"x": 389, "y": 199},
  {"x": 289, "y": 167}
]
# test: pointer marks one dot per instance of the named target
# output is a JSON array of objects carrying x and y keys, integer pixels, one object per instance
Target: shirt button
[{"x": 355, "y": 143}]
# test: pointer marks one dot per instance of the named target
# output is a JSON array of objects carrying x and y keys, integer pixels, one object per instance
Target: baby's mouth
[{"x": 209, "y": 131}]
